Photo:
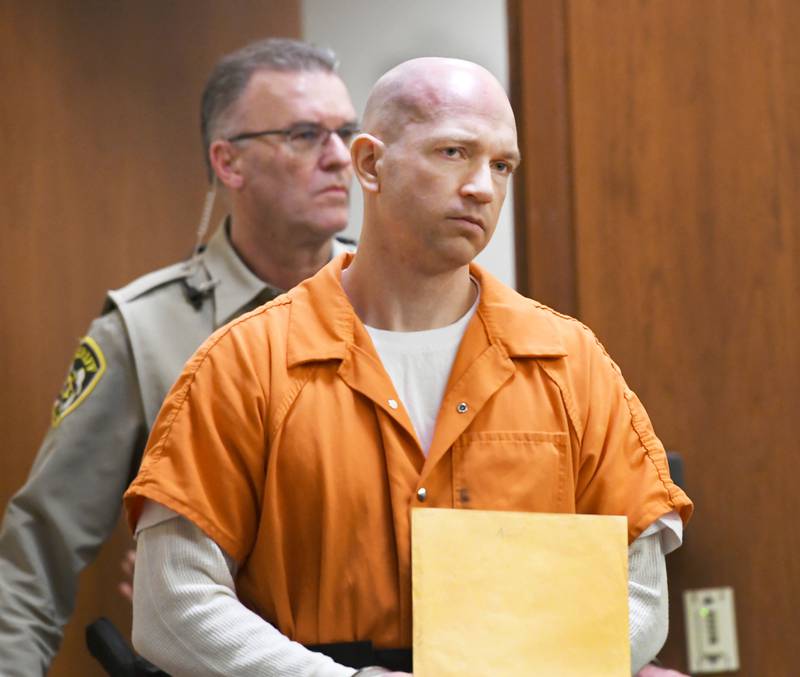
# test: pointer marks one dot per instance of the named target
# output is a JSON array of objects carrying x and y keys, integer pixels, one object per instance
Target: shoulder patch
[{"x": 86, "y": 369}]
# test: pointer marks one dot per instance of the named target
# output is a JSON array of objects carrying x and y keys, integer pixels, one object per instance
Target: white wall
[{"x": 371, "y": 36}]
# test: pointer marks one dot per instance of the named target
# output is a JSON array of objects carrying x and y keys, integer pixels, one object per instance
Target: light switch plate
[{"x": 711, "y": 630}]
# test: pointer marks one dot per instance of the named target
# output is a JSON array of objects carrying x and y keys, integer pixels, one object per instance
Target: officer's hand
[
  {"x": 655, "y": 671},
  {"x": 125, "y": 586}
]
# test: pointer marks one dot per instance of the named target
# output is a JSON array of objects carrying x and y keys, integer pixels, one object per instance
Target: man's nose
[
  {"x": 335, "y": 153},
  {"x": 479, "y": 185}
]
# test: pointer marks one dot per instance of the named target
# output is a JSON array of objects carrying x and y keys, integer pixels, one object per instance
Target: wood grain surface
[
  {"x": 684, "y": 146},
  {"x": 102, "y": 180}
]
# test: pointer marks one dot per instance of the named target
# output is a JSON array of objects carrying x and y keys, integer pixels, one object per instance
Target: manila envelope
[{"x": 509, "y": 593}]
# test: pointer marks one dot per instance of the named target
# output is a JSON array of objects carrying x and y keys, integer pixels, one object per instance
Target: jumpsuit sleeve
[
  {"x": 623, "y": 467},
  {"x": 55, "y": 524}
]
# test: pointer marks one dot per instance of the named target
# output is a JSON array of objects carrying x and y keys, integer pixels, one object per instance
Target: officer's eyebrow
[{"x": 352, "y": 122}]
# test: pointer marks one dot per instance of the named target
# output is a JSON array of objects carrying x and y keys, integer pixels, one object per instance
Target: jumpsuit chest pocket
[{"x": 514, "y": 470}]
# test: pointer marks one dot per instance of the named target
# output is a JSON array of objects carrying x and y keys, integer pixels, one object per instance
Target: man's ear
[
  {"x": 367, "y": 153},
  {"x": 224, "y": 160}
]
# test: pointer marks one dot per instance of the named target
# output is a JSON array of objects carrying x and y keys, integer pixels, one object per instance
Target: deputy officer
[
  {"x": 276, "y": 124},
  {"x": 273, "y": 503}
]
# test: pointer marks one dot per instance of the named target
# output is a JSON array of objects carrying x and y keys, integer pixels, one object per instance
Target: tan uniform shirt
[{"x": 56, "y": 523}]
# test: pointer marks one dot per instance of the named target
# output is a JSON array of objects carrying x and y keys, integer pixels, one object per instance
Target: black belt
[{"x": 363, "y": 654}]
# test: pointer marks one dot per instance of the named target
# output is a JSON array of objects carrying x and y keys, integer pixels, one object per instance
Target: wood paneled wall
[
  {"x": 102, "y": 179},
  {"x": 674, "y": 145}
]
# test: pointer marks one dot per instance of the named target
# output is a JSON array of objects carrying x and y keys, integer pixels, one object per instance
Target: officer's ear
[
  {"x": 367, "y": 152},
  {"x": 225, "y": 162}
]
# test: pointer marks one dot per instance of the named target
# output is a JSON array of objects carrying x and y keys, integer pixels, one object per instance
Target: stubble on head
[{"x": 425, "y": 89}]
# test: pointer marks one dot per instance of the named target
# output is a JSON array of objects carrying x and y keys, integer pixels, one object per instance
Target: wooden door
[{"x": 662, "y": 206}]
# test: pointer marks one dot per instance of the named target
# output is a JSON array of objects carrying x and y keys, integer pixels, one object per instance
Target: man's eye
[
  {"x": 452, "y": 152},
  {"x": 305, "y": 134},
  {"x": 503, "y": 167},
  {"x": 346, "y": 134}
]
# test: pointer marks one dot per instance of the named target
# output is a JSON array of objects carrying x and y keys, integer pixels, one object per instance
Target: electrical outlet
[{"x": 711, "y": 630}]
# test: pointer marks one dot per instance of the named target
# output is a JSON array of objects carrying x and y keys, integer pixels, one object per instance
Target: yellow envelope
[{"x": 507, "y": 593}]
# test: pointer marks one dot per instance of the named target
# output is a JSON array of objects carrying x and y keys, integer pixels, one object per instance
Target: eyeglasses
[{"x": 304, "y": 136}]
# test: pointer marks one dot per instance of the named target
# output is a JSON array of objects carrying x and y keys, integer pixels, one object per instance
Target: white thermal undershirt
[{"x": 419, "y": 364}]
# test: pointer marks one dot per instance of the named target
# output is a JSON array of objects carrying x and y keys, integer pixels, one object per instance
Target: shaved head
[
  {"x": 423, "y": 89},
  {"x": 434, "y": 161}
]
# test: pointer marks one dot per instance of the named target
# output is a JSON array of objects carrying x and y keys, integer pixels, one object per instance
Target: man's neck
[
  {"x": 281, "y": 261},
  {"x": 398, "y": 298}
]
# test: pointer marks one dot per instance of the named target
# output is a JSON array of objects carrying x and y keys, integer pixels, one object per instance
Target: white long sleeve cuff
[
  {"x": 188, "y": 621},
  {"x": 647, "y": 598}
]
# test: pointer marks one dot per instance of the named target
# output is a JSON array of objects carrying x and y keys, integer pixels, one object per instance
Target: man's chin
[
  {"x": 330, "y": 226},
  {"x": 452, "y": 256}
]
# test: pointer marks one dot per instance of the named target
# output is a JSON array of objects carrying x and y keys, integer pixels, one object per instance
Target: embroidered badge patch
[{"x": 88, "y": 366}]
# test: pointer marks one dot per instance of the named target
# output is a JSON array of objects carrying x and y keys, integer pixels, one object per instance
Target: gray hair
[{"x": 232, "y": 74}]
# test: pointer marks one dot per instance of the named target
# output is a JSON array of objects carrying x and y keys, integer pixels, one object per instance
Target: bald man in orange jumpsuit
[{"x": 273, "y": 504}]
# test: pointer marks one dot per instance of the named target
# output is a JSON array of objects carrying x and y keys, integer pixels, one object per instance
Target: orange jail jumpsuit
[{"x": 282, "y": 440}]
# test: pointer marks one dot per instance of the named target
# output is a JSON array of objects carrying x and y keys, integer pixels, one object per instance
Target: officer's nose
[{"x": 335, "y": 153}]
